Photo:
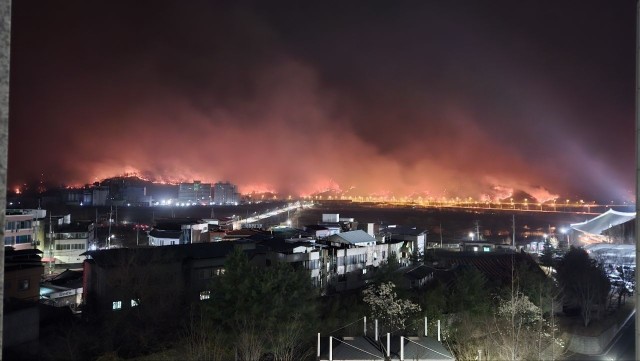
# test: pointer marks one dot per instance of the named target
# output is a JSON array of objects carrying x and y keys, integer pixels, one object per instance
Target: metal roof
[
  {"x": 419, "y": 349},
  {"x": 608, "y": 250},
  {"x": 354, "y": 237},
  {"x": 366, "y": 348},
  {"x": 603, "y": 222},
  {"x": 351, "y": 349}
]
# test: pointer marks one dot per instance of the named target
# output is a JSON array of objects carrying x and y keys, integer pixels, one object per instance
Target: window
[
  {"x": 486, "y": 249},
  {"x": 23, "y": 239},
  {"x": 11, "y": 226},
  {"x": 23, "y": 285},
  {"x": 117, "y": 305},
  {"x": 134, "y": 303},
  {"x": 205, "y": 295},
  {"x": 204, "y": 274},
  {"x": 8, "y": 241}
]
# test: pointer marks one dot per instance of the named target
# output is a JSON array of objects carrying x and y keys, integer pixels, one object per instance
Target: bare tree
[
  {"x": 202, "y": 340},
  {"x": 251, "y": 340},
  {"x": 287, "y": 340}
]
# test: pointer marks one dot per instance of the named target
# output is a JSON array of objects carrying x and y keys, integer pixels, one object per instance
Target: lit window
[
  {"x": 134, "y": 303},
  {"x": 475, "y": 249},
  {"x": 117, "y": 305},
  {"x": 205, "y": 295},
  {"x": 23, "y": 285}
]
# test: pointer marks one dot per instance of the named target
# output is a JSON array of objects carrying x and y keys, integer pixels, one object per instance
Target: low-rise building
[
  {"x": 414, "y": 277},
  {"x": 70, "y": 240},
  {"x": 320, "y": 232},
  {"x": 477, "y": 246},
  {"x": 300, "y": 254},
  {"x": 357, "y": 238},
  {"x": 405, "y": 233},
  {"x": 63, "y": 290},
  {"x": 23, "y": 270},
  {"x": 179, "y": 231},
  {"x": 127, "y": 277}
]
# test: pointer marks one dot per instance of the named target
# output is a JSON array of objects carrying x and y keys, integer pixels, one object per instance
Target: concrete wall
[{"x": 21, "y": 327}]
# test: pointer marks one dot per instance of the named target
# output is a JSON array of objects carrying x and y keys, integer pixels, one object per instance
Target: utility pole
[
  {"x": 137, "y": 233},
  {"x": 5, "y": 47},
  {"x": 637, "y": 275},
  {"x": 514, "y": 231},
  {"x": 477, "y": 224},
  {"x": 50, "y": 243},
  {"x": 440, "y": 234},
  {"x": 109, "y": 235}
]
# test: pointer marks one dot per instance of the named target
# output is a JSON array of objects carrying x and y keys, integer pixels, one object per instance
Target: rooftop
[
  {"x": 353, "y": 237},
  {"x": 161, "y": 233},
  {"x": 281, "y": 245},
  {"x": 603, "y": 222},
  {"x": 404, "y": 230},
  {"x": 167, "y": 253},
  {"x": 366, "y": 348}
]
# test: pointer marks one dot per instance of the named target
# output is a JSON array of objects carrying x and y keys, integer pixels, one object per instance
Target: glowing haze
[{"x": 430, "y": 99}]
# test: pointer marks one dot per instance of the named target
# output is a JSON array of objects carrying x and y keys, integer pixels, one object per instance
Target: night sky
[{"x": 453, "y": 98}]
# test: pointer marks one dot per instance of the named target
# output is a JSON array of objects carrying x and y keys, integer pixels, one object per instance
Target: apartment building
[{"x": 23, "y": 227}]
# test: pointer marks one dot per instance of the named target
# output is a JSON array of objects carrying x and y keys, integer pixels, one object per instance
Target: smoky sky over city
[{"x": 440, "y": 98}]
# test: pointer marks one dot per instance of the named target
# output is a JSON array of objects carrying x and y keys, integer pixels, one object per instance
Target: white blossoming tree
[
  {"x": 515, "y": 329},
  {"x": 391, "y": 311}
]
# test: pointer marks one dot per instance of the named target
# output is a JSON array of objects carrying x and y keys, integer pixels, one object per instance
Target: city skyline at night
[{"x": 438, "y": 99}]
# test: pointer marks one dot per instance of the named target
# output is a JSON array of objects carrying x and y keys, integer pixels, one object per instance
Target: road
[
  {"x": 621, "y": 348},
  {"x": 238, "y": 223}
]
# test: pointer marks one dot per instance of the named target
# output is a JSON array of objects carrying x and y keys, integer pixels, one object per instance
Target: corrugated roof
[
  {"x": 419, "y": 349},
  {"x": 603, "y": 222},
  {"x": 366, "y": 348},
  {"x": 351, "y": 349},
  {"x": 419, "y": 272},
  {"x": 354, "y": 237}
]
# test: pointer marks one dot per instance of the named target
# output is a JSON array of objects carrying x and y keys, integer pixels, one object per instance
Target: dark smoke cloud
[{"x": 450, "y": 100}]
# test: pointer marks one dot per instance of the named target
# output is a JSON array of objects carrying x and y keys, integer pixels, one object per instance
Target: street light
[{"x": 564, "y": 231}]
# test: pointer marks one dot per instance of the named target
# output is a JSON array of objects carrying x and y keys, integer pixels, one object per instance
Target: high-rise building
[
  {"x": 196, "y": 192},
  {"x": 225, "y": 193}
]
